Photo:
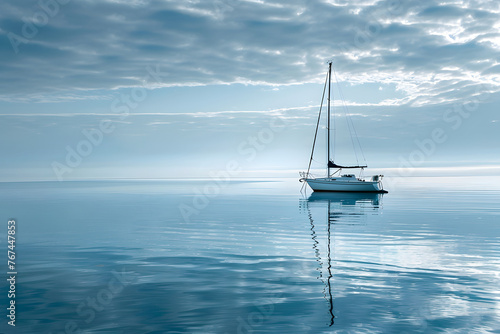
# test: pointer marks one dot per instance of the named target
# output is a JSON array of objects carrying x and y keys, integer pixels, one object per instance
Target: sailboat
[{"x": 336, "y": 181}]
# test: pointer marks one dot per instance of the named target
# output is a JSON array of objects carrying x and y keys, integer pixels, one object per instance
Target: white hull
[{"x": 344, "y": 184}]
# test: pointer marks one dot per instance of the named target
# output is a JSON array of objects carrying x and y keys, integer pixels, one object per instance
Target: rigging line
[
  {"x": 353, "y": 128},
  {"x": 349, "y": 119},
  {"x": 344, "y": 109},
  {"x": 317, "y": 126},
  {"x": 359, "y": 144},
  {"x": 357, "y": 139},
  {"x": 334, "y": 125}
]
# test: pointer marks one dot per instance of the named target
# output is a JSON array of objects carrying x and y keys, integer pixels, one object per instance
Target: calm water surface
[{"x": 259, "y": 257}]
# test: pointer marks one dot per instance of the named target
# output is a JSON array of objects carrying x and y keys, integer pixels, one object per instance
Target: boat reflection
[
  {"x": 343, "y": 209},
  {"x": 346, "y": 198}
]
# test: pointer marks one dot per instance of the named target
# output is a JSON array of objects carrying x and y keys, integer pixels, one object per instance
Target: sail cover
[{"x": 331, "y": 164}]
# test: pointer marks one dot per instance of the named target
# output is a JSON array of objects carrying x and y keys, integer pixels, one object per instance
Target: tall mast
[{"x": 328, "y": 126}]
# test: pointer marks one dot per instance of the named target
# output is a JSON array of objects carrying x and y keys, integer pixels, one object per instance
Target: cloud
[
  {"x": 285, "y": 113},
  {"x": 435, "y": 52}
]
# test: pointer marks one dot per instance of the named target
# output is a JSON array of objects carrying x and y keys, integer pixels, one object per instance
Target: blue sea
[{"x": 253, "y": 256}]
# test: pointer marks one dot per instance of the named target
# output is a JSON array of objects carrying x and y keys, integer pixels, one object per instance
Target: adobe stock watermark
[
  {"x": 266, "y": 308},
  {"x": 94, "y": 137},
  {"x": 87, "y": 311},
  {"x": 221, "y": 7},
  {"x": 453, "y": 119},
  {"x": 257, "y": 318},
  {"x": 248, "y": 150},
  {"x": 47, "y": 9}
]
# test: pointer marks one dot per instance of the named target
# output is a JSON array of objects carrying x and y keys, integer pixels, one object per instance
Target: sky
[{"x": 177, "y": 89}]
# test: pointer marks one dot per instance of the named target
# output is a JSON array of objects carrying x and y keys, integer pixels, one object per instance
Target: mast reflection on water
[{"x": 343, "y": 209}]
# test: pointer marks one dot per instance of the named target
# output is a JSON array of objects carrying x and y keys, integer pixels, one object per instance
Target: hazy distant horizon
[{"x": 389, "y": 173}]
